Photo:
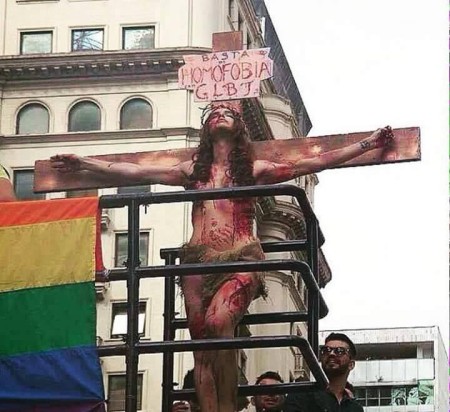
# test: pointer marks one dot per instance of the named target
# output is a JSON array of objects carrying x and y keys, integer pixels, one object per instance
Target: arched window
[
  {"x": 84, "y": 116},
  {"x": 32, "y": 119},
  {"x": 136, "y": 114}
]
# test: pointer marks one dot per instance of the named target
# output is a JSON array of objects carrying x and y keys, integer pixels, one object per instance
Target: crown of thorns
[{"x": 206, "y": 111}]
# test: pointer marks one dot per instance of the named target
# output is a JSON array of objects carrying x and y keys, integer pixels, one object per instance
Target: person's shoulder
[{"x": 299, "y": 402}]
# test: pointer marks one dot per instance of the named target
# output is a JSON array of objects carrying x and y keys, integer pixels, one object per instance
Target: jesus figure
[{"x": 222, "y": 231}]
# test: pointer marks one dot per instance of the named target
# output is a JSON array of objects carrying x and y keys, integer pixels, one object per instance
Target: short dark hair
[
  {"x": 188, "y": 381},
  {"x": 344, "y": 338},
  {"x": 269, "y": 375}
]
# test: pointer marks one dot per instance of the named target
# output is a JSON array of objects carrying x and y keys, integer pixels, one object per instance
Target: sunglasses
[{"x": 338, "y": 350}]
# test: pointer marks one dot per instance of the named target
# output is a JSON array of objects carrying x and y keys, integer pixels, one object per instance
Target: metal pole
[
  {"x": 132, "y": 354},
  {"x": 169, "y": 335},
  {"x": 313, "y": 294}
]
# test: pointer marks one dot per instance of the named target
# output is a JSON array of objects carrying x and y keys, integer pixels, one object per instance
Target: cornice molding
[
  {"x": 95, "y": 63},
  {"x": 162, "y": 134},
  {"x": 285, "y": 213},
  {"x": 290, "y": 218},
  {"x": 255, "y": 119}
]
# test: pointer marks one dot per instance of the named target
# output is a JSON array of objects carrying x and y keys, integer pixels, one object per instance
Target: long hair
[{"x": 241, "y": 157}]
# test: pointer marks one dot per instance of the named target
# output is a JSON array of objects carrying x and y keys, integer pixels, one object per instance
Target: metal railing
[{"x": 132, "y": 274}]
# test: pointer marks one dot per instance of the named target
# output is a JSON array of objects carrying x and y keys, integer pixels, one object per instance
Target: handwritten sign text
[{"x": 225, "y": 75}]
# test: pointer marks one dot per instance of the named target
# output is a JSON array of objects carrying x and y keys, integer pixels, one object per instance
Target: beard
[{"x": 333, "y": 370}]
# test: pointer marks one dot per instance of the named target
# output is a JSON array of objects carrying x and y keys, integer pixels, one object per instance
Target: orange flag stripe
[{"x": 41, "y": 211}]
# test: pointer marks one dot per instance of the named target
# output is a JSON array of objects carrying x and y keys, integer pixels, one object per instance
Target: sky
[{"x": 361, "y": 65}]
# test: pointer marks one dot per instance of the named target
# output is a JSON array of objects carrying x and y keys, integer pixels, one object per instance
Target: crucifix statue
[{"x": 223, "y": 229}]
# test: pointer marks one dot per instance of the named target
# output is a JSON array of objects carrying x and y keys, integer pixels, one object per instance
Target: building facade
[
  {"x": 399, "y": 369},
  {"x": 100, "y": 77}
]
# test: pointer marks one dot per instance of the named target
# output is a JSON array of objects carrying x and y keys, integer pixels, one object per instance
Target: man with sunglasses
[{"x": 337, "y": 357}]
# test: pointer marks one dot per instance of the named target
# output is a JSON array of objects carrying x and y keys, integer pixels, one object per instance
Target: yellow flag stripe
[{"x": 46, "y": 254}]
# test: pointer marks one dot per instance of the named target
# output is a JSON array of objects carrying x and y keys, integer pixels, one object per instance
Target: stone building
[{"x": 100, "y": 77}]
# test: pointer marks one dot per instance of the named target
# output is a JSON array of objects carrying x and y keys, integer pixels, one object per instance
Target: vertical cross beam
[{"x": 228, "y": 41}]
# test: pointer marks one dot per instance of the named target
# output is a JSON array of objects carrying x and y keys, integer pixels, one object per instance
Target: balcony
[
  {"x": 400, "y": 408},
  {"x": 385, "y": 371}
]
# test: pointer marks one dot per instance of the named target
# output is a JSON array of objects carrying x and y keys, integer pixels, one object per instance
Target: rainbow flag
[{"x": 48, "y": 357}]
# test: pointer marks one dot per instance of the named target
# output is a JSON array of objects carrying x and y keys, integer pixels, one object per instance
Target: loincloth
[{"x": 211, "y": 283}]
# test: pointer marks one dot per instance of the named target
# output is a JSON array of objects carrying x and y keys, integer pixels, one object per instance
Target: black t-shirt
[{"x": 319, "y": 401}]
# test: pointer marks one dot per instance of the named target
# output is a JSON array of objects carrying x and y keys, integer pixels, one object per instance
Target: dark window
[
  {"x": 136, "y": 114},
  {"x": 84, "y": 116},
  {"x": 394, "y": 395},
  {"x": 36, "y": 42},
  {"x": 128, "y": 190},
  {"x": 138, "y": 38},
  {"x": 119, "y": 319},
  {"x": 32, "y": 119},
  {"x": 82, "y": 193},
  {"x": 23, "y": 185},
  {"x": 116, "y": 392},
  {"x": 122, "y": 249},
  {"x": 87, "y": 39}
]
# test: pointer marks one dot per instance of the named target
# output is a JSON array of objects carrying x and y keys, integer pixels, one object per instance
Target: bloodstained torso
[{"x": 222, "y": 224}]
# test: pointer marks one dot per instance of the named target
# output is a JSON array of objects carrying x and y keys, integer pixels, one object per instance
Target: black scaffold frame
[{"x": 132, "y": 274}]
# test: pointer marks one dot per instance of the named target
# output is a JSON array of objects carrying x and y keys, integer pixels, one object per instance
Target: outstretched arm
[
  {"x": 167, "y": 175},
  {"x": 269, "y": 172}
]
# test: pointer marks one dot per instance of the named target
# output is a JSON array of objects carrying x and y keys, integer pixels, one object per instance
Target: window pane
[
  {"x": 116, "y": 392},
  {"x": 138, "y": 38},
  {"x": 88, "y": 39},
  {"x": 122, "y": 249},
  {"x": 119, "y": 319},
  {"x": 32, "y": 119},
  {"x": 136, "y": 114},
  {"x": 398, "y": 396},
  {"x": 385, "y": 392},
  {"x": 127, "y": 190},
  {"x": 413, "y": 397},
  {"x": 426, "y": 392},
  {"x": 36, "y": 42},
  {"x": 360, "y": 393},
  {"x": 84, "y": 116},
  {"x": 23, "y": 185}
]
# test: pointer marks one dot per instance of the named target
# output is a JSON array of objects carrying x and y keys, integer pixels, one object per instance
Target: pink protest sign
[{"x": 225, "y": 75}]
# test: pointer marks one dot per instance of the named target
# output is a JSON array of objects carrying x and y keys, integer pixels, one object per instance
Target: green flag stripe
[{"x": 38, "y": 319}]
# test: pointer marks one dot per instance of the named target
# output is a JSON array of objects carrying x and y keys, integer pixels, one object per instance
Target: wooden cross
[{"x": 406, "y": 147}]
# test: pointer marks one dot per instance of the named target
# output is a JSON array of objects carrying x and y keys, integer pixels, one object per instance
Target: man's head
[
  {"x": 337, "y": 355},
  {"x": 268, "y": 402}
]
